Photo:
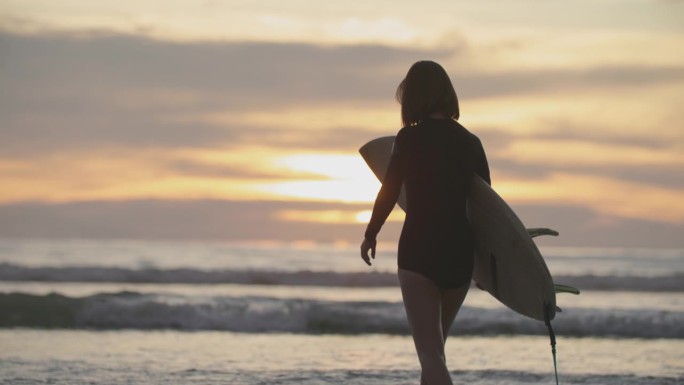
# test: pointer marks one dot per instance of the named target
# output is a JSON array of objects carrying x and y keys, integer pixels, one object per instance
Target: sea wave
[
  {"x": 132, "y": 310},
  {"x": 8, "y": 272}
]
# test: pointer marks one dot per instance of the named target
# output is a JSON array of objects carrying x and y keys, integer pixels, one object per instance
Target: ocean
[{"x": 172, "y": 312}]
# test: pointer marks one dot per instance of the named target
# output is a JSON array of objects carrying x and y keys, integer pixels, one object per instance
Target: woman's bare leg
[
  {"x": 452, "y": 299},
  {"x": 423, "y": 304}
]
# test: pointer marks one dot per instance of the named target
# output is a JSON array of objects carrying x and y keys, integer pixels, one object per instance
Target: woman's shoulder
[
  {"x": 408, "y": 130},
  {"x": 466, "y": 131}
]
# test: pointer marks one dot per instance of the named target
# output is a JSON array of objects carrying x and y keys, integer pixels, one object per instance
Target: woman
[{"x": 435, "y": 158}]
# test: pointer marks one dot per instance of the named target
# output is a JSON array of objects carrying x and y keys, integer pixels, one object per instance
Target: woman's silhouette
[{"x": 435, "y": 158}]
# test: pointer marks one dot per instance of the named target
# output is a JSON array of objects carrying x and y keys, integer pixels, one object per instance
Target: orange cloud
[
  {"x": 603, "y": 195},
  {"x": 372, "y": 116},
  {"x": 333, "y": 216},
  {"x": 584, "y": 153}
]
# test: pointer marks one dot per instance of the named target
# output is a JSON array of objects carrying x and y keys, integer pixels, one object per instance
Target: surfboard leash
[{"x": 552, "y": 336}]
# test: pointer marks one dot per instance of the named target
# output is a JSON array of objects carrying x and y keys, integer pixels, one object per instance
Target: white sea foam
[{"x": 128, "y": 310}]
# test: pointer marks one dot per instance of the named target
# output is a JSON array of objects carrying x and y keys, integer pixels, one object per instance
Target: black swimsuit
[{"x": 436, "y": 160}]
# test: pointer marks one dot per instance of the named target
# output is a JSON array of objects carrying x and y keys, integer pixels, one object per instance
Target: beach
[
  {"x": 134, "y": 312},
  {"x": 205, "y": 357},
  {"x": 184, "y": 195}
]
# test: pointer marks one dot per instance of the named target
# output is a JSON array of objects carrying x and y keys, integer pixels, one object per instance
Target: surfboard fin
[
  {"x": 558, "y": 309},
  {"x": 537, "y": 231},
  {"x": 566, "y": 289}
]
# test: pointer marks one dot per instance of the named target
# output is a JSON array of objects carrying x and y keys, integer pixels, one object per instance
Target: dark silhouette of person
[{"x": 435, "y": 158}]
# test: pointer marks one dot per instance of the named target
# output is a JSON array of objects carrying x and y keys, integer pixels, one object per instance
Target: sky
[{"x": 241, "y": 120}]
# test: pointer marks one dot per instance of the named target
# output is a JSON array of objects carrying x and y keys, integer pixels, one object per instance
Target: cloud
[
  {"x": 604, "y": 195},
  {"x": 78, "y": 95},
  {"x": 169, "y": 219},
  {"x": 584, "y": 228},
  {"x": 560, "y": 81},
  {"x": 125, "y": 90},
  {"x": 663, "y": 177},
  {"x": 197, "y": 168},
  {"x": 280, "y": 72},
  {"x": 62, "y": 92},
  {"x": 263, "y": 220},
  {"x": 583, "y": 151}
]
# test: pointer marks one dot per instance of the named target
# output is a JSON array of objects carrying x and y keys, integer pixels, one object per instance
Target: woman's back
[{"x": 438, "y": 159}]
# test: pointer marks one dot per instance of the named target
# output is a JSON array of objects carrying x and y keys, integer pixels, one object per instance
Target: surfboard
[{"x": 508, "y": 264}]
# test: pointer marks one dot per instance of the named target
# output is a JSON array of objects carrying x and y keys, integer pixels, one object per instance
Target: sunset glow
[
  {"x": 577, "y": 105},
  {"x": 333, "y": 216},
  {"x": 346, "y": 179}
]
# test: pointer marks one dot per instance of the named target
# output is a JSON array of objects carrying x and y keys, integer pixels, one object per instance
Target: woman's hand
[{"x": 365, "y": 246}]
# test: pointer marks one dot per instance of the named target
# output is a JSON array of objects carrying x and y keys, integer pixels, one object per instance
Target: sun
[
  {"x": 363, "y": 216},
  {"x": 334, "y": 178}
]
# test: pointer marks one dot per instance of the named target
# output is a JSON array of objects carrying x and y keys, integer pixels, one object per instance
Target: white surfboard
[{"x": 508, "y": 264}]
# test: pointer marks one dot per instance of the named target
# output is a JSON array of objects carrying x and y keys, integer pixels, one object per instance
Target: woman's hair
[{"x": 426, "y": 90}]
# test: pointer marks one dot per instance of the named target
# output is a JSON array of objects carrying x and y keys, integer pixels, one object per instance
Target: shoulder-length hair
[{"x": 426, "y": 90}]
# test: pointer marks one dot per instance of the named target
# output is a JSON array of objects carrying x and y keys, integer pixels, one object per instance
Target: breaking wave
[{"x": 132, "y": 310}]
